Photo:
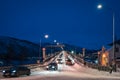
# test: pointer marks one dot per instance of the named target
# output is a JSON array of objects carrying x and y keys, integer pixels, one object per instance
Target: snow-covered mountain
[{"x": 17, "y": 47}]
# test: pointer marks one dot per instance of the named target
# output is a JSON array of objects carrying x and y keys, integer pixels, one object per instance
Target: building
[
  {"x": 115, "y": 54},
  {"x": 105, "y": 57}
]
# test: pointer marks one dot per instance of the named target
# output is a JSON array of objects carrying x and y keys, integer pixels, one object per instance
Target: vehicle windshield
[
  {"x": 53, "y": 64},
  {"x": 59, "y": 59},
  {"x": 13, "y": 68}
]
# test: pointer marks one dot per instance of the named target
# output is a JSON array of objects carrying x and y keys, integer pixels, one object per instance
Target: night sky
[{"x": 76, "y": 22}]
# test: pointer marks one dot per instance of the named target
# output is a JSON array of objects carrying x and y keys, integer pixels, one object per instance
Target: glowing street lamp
[
  {"x": 99, "y": 6},
  {"x": 55, "y": 41},
  {"x": 72, "y": 52},
  {"x": 113, "y": 26},
  {"x": 46, "y": 36}
]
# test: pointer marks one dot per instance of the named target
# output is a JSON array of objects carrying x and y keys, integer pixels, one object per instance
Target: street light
[
  {"x": 113, "y": 26},
  {"x": 46, "y": 36},
  {"x": 99, "y": 6},
  {"x": 55, "y": 41},
  {"x": 58, "y": 43}
]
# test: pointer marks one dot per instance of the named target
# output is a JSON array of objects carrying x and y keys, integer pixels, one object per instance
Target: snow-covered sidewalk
[{"x": 96, "y": 72}]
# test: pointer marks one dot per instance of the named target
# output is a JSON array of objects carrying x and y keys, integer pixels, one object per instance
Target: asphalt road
[
  {"x": 76, "y": 72},
  {"x": 65, "y": 72}
]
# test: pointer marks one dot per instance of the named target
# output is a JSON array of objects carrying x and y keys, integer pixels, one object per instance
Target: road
[
  {"x": 65, "y": 72},
  {"x": 76, "y": 72}
]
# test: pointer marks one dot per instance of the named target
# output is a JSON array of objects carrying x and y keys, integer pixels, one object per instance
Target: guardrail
[
  {"x": 96, "y": 66},
  {"x": 92, "y": 65},
  {"x": 31, "y": 66}
]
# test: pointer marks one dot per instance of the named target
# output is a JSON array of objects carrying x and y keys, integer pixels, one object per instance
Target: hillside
[
  {"x": 17, "y": 47},
  {"x": 14, "y": 48}
]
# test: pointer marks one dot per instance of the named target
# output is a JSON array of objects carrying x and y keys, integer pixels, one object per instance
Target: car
[
  {"x": 59, "y": 61},
  {"x": 69, "y": 62},
  {"x": 60, "y": 55},
  {"x": 16, "y": 71},
  {"x": 90, "y": 60},
  {"x": 52, "y": 66}
]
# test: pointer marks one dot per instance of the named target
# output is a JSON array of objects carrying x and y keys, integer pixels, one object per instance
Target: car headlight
[
  {"x": 14, "y": 71},
  {"x": 3, "y": 71},
  {"x": 53, "y": 66},
  {"x": 47, "y": 66}
]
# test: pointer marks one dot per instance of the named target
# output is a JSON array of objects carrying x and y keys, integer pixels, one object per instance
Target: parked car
[
  {"x": 16, "y": 71},
  {"x": 52, "y": 66}
]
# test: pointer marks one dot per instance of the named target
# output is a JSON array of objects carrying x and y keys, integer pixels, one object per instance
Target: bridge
[{"x": 78, "y": 70}]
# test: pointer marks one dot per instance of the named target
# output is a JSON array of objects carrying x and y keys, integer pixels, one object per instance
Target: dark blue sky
[{"x": 77, "y": 22}]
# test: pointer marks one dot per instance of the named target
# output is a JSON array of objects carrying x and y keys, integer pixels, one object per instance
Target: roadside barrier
[
  {"x": 93, "y": 65},
  {"x": 31, "y": 66}
]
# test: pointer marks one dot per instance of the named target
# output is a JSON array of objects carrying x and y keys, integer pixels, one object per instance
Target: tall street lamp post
[
  {"x": 113, "y": 27},
  {"x": 51, "y": 46},
  {"x": 40, "y": 48}
]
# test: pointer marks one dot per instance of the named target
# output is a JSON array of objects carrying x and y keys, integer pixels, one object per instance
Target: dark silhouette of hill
[{"x": 16, "y": 49}]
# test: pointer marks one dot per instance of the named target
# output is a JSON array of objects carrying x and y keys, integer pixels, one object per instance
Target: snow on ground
[
  {"x": 64, "y": 75},
  {"x": 80, "y": 68},
  {"x": 65, "y": 72},
  {"x": 71, "y": 73},
  {"x": 95, "y": 72}
]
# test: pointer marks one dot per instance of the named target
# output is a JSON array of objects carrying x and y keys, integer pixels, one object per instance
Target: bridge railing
[
  {"x": 31, "y": 66},
  {"x": 92, "y": 65},
  {"x": 96, "y": 66},
  {"x": 47, "y": 59}
]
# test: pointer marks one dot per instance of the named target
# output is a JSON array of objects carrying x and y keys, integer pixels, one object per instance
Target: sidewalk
[{"x": 97, "y": 72}]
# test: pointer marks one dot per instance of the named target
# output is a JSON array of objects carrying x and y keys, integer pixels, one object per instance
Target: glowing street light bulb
[
  {"x": 99, "y": 6},
  {"x": 55, "y": 41},
  {"x": 46, "y": 36},
  {"x": 72, "y": 52}
]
